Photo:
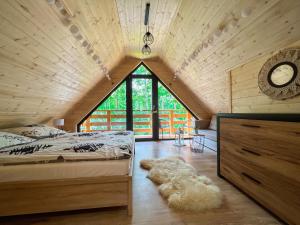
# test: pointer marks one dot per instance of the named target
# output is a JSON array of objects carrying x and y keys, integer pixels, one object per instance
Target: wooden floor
[{"x": 150, "y": 209}]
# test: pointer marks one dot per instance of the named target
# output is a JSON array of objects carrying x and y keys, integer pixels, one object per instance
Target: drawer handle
[
  {"x": 251, "y": 152},
  {"x": 249, "y": 125},
  {"x": 251, "y": 178}
]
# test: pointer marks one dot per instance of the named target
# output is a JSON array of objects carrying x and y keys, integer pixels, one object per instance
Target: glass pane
[
  {"x": 172, "y": 115},
  {"x": 141, "y": 70},
  {"x": 110, "y": 115},
  {"x": 142, "y": 107}
]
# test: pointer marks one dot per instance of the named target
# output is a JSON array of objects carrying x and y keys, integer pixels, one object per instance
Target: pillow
[
  {"x": 36, "y": 131},
  {"x": 213, "y": 123},
  {"x": 9, "y": 139}
]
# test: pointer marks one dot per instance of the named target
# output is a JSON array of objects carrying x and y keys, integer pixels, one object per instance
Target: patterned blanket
[{"x": 71, "y": 147}]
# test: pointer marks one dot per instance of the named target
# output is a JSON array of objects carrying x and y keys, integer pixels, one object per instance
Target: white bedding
[{"x": 71, "y": 147}]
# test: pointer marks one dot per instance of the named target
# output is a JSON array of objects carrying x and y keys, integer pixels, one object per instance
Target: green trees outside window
[{"x": 111, "y": 114}]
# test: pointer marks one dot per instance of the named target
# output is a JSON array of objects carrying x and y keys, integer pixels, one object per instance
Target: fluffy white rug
[{"x": 181, "y": 185}]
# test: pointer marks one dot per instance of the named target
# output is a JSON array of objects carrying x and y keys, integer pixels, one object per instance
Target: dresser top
[{"x": 291, "y": 117}]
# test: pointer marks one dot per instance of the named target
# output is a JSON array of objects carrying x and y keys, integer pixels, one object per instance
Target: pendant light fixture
[
  {"x": 146, "y": 50},
  {"x": 148, "y": 37}
]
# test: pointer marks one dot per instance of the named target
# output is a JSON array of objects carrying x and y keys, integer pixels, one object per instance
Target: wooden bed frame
[{"x": 27, "y": 197}]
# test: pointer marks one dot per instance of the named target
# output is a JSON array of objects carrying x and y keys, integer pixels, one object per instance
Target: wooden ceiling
[
  {"x": 132, "y": 14},
  {"x": 45, "y": 69},
  {"x": 271, "y": 25}
]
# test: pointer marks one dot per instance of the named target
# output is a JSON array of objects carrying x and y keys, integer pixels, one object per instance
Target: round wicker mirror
[{"x": 279, "y": 77}]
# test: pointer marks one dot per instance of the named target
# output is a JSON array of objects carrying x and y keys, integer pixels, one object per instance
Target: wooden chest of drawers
[{"x": 260, "y": 155}]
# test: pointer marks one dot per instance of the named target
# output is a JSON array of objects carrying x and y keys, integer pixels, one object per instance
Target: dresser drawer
[
  {"x": 275, "y": 192},
  {"x": 271, "y": 160},
  {"x": 279, "y": 138}
]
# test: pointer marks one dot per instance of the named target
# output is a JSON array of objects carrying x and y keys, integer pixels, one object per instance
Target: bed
[{"x": 67, "y": 172}]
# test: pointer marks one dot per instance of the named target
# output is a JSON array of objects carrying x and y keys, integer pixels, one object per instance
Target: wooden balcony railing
[{"x": 106, "y": 120}]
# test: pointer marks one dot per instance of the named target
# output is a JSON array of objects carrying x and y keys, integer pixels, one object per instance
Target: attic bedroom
[{"x": 149, "y": 112}]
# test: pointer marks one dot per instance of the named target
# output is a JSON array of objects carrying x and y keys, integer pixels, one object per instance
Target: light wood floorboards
[{"x": 150, "y": 209}]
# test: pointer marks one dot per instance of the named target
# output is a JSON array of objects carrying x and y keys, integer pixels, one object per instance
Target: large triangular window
[
  {"x": 141, "y": 70},
  {"x": 109, "y": 115},
  {"x": 141, "y": 103},
  {"x": 172, "y": 114}
]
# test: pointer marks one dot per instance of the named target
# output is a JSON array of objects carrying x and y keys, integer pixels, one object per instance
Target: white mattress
[{"x": 64, "y": 170}]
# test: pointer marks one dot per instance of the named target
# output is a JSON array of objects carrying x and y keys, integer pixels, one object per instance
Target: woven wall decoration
[{"x": 279, "y": 77}]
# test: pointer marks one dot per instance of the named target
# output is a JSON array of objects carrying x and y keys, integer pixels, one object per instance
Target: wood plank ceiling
[
  {"x": 132, "y": 13},
  {"x": 45, "y": 69},
  {"x": 272, "y": 25},
  {"x": 202, "y": 40}
]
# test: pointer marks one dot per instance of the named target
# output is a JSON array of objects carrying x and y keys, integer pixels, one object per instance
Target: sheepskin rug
[{"x": 181, "y": 186}]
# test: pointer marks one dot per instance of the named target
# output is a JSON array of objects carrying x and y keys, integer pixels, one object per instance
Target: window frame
[{"x": 127, "y": 79}]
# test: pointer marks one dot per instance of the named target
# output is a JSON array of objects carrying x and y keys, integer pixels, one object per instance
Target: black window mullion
[
  {"x": 155, "y": 115},
  {"x": 129, "y": 116}
]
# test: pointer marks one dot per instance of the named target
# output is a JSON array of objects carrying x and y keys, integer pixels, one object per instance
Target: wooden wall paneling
[
  {"x": 103, "y": 88},
  {"x": 88, "y": 33},
  {"x": 41, "y": 62},
  {"x": 49, "y": 70},
  {"x": 13, "y": 87},
  {"x": 131, "y": 14},
  {"x": 92, "y": 17},
  {"x": 44, "y": 69},
  {"x": 79, "y": 110},
  {"x": 178, "y": 87},
  {"x": 271, "y": 26},
  {"x": 225, "y": 43},
  {"x": 88, "y": 15},
  {"x": 193, "y": 28},
  {"x": 229, "y": 40},
  {"x": 52, "y": 35},
  {"x": 274, "y": 38},
  {"x": 131, "y": 23},
  {"x": 246, "y": 95}
]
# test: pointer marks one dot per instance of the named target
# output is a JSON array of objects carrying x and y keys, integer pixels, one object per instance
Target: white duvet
[{"x": 71, "y": 147}]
